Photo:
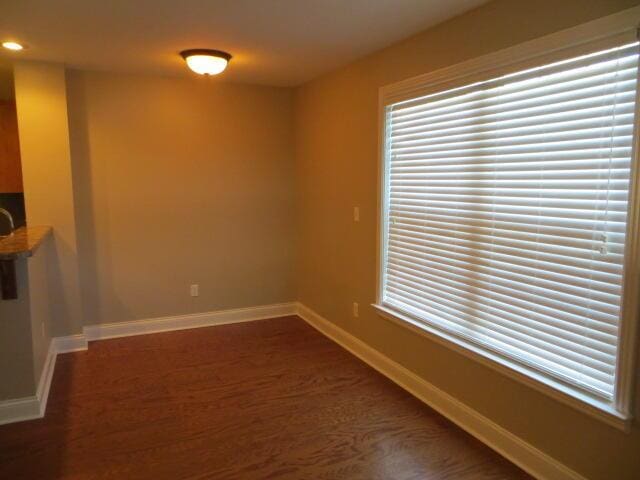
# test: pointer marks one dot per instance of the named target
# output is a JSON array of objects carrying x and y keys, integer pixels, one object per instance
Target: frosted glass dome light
[{"x": 206, "y": 62}]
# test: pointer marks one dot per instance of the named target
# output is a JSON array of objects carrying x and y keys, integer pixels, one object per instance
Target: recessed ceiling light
[
  {"x": 206, "y": 62},
  {"x": 12, "y": 46}
]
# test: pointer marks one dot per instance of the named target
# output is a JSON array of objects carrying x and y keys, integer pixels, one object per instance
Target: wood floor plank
[{"x": 272, "y": 399}]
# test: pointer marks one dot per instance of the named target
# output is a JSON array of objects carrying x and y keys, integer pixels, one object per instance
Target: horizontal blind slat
[
  {"x": 587, "y": 117},
  {"x": 423, "y": 214},
  {"x": 526, "y": 100},
  {"x": 495, "y": 273},
  {"x": 495, "y": 310},
  {"x": 568, "y": 103},
  {"x": 611, "y": 61},
  {"x": 578, "y": 258},
  {"x": 482, "y": 158},
  {"x": 549, "y": 113},
  {"x": 493, "y": 329},
  {"x": 615, "y": 125},
  {"x": 606, "y": 283},
  {"x": 561, "y": 237},
  {"x": 601, "y": 330},
  {"x": 541, "y": 310}
]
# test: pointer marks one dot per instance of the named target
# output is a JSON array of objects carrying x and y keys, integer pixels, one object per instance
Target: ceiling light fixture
[
  {"x": 12, "y": 46},
  {"x": 206, "y": 62}
]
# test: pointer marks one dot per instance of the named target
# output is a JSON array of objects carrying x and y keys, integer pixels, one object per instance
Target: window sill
[{"x": 580, "y": 401}]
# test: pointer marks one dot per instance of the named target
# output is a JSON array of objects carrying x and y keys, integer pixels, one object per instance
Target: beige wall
[
  {"x": 25, "y": 326},
  {"x": 40, "y": 305},
  {"x": 180, "y": 182},
  {"x": 43, "y": 129},
  {"x": 16, "y": 352},
  {"x": 337, "y": 161}
]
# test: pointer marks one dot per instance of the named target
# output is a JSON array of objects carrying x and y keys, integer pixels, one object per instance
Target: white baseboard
[
  {"x": 44, "y": 385},
  {"x": 183, "y": 322},
  {"x": 523, "y": 454},
  {"x": 72, "y": 343},
  {"x": 30, "y": 408},
  {"x": 19, "y": 409}
]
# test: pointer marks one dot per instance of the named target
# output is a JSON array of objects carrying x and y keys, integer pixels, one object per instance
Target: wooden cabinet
[{"x": 10, "y": 167}]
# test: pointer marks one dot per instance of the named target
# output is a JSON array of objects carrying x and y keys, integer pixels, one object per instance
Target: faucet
[{"x": 7, "y": 214}]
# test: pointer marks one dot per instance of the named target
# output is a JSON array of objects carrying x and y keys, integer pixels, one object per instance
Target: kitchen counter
[{"x": 23, "y": 243}]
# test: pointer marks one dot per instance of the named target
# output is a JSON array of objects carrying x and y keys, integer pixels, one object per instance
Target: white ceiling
[{"x": 274, "y": 42}]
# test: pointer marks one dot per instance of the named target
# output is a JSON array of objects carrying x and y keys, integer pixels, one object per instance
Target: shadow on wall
[
  {"x": 79, "y": 141},
  {"x": 63, "y": 323}
]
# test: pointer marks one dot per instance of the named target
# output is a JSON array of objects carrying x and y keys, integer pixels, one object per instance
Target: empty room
[{"x": 319, "y": 239}]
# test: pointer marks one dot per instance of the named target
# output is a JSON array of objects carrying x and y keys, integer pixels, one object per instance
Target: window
[{"x": 505, "y": 205}]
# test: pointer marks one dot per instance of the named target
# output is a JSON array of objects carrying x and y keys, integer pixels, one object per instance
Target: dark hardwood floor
[{"x": 272, "y": 399}]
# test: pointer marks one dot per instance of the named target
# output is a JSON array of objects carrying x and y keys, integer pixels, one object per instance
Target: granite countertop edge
[{"x": 24, "y": 242}]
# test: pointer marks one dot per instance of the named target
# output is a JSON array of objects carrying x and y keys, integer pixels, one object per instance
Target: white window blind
[{"x": 506, "y": 209}]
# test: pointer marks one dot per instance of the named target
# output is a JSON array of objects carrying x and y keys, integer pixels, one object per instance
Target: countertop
[{"x": 23, "y": 243}]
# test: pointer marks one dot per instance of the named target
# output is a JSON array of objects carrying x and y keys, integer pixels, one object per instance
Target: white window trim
[{"x": 614, "y": 29}]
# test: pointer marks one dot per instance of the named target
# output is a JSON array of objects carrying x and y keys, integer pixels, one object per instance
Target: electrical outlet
[
  {"x": 195, "y": 290},
  {"x": 356, "y": 214},
  {"x": 356, "y": 310}
]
